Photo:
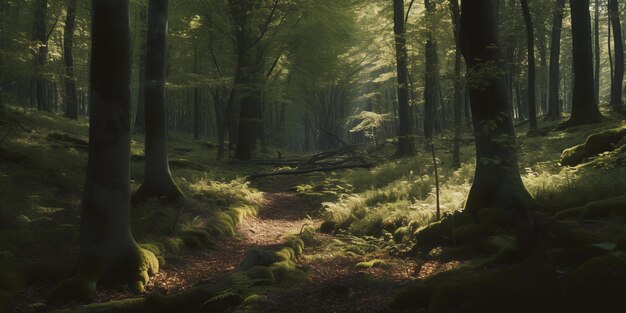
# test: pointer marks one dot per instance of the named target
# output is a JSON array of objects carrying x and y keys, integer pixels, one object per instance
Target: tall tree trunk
[
  {"x": 617, "y": 80},
  {"x": 497, "y": 182},
  {"x": 158, "y": 182},
  {"x": 248, "y": 79},
  {"x": 458, "y": 88},
  {"x": 71, "y": 104},
  {"x": 584, "y": 105},
  {"x": 108, "y": 253},
  {"x": 196, "y": 98},
  {"x": 530, "y": 42},
  {"x": 140, "y": 124},
  {"x": 41, "y": 54},
  {"x": 406, "y": 142},
  {"x": 554, "y": 107},
  {"x": 431, "y": 82},
  {"x": 596, "y": 32}
]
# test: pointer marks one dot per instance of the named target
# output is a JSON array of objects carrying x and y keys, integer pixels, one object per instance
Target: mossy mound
[
  {"x": 595, "y": 144},
  {"x": 615, "y": 207}
]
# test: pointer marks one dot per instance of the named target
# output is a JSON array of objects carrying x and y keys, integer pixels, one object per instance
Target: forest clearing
[{"x": 433, "y": 156}]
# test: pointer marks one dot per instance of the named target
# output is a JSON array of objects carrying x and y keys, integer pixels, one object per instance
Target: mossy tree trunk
[
  {"x": 406, "y": 142},
  {"x": 158, "y": 182},
  {"x": 108, "y": 252},
  {"x": 584, "y": 105},
  {"x": 617, "y": 80},
  {"x": 71, "y": 104},
  {"x": 554, "y": 106},
  {"x": 497, "y": 182}
]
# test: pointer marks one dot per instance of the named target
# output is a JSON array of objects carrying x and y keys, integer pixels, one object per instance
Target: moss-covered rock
[
  {"x": 595, "y": 144},
  {"x": 262, "y": 274}
]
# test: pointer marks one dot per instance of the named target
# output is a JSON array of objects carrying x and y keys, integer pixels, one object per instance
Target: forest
[{"x": 441, "y": 156}]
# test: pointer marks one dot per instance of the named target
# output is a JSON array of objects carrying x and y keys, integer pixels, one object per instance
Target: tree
[
  {"x": 431, "y": 79},
  {"x": 617, "y": 80},
  {"x": 71, "y": 105},
  {"x": 158, "y": 182},
  {"x": 530, "y": 41},
  {"x": 143, "y": 34},
  {"x": 41, "y": 39},
  {"x": 249, "y": 76},
  {"x": 406, "y": 144},
  {"x": 554, "y": 106},
  {"x": 584, "y": 106},
  {"x": 497, "y": 182},
  {"x": 458, "y": 88},
  {"x": 596, "y": 35},
  {"x": 108, "y": 252}
]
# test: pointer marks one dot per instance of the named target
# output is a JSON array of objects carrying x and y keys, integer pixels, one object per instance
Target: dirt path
[{"x": 282, "y": 213}]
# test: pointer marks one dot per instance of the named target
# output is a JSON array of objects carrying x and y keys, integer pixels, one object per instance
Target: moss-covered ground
[{"x": 360, "y": 240}]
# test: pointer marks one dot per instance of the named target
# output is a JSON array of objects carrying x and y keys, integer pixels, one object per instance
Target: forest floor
[{"x": 361, "y": 228}]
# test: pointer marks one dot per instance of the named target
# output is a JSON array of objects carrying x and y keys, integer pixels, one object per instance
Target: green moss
[
  {"x": 263, "y": 274},
  {"x": 603, "y": 208},
  {"x": 287, "y": 273},
  {"x": 371, "y": 264},
  {"x": 257, "y": 257},
  {"x": 595, "y": 144}
]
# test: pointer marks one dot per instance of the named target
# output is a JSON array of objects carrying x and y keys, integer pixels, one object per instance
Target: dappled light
[{"x": 327, "y": 156}]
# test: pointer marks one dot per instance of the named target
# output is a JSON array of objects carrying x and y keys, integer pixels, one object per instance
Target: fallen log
[{"x": 307, "y": 171}]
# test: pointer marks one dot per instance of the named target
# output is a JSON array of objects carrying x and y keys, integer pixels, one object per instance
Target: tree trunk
[
  {"x": 71, "y": 104},
  {"x": 497, "y": 182},
  {"x": 458, "y": 88},
  {"x": 248, "y": 79},
  {"x": 158, "y": 182},
  {"x": 554, "y": 107},
  {"x": 431, "y": 82},
  {"x": 406, "y": 142},
  {"x": 584, "y": 105},
  {"x": 596, "y": 32},
  {"x": 39, "y": 35},
  {"x": 617, "y": 80},
  {"x": 140, "y": 124},
  {"x": 530, "y": 41},
  {"x": 108, "y": 253},
  {"x": 196, "y": 98}
]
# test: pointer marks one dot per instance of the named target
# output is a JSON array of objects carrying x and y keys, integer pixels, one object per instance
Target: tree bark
[
  {"x": 108, "y": 253},
  {"x": 458, "y": 88},
  {"x": 39, "y": 35},
  {"x": 158, "y": 182},
  {"x": 596, "y": 33},
  {"x": 431, "y": 79},
  {"x": 584, "y": 105},
  {"x": 530, "y": 42},
  {"x": 248, "y": 78},
  {"x": 497, "y": 182},
  {"x": 196, "y": 98},
  {"x": 554, "y": 107},
  {"x": 143, "y": 35},
  {"x": 406, "y": 142},
  {"x": 71, "y": 103},
  {"x": 617, "y": 80}
]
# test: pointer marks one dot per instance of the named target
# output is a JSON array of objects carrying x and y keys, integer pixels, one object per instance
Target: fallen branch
[{"x": 307, "y": 171}]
